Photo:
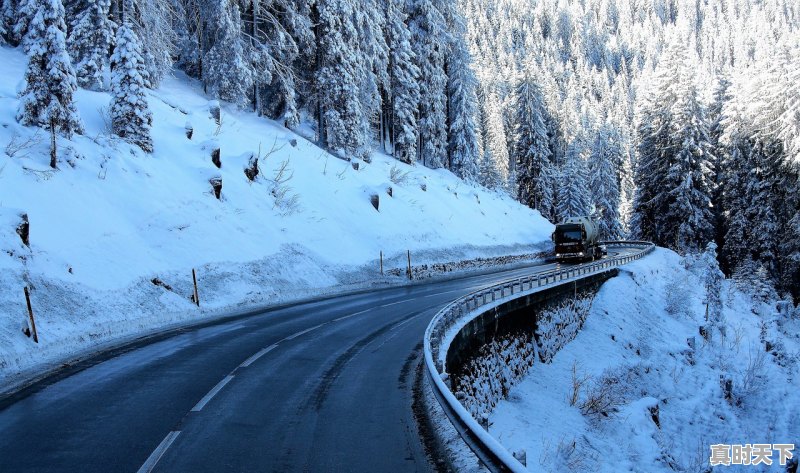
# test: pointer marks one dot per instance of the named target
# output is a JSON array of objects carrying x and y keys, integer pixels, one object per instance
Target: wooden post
[
  {"x": 52, "y": 143},
  {"x": 30, "y": 314},
  {"x": 381, "y": 263},
  {"x": 408, "y": 252},
  {"x": 196, "y": 296}
]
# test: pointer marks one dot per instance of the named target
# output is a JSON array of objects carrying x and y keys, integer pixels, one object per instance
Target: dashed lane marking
[
  {"x": 446, "y": 292},
  {"x": 303, "y": 332},
  {"x": 258, "y": 355},
  {"x": 200, "y": 405},
  {"x": 352, "y": 315},
  {"x": 398, "y": 302},
  {"x": 154, "y": 457}
]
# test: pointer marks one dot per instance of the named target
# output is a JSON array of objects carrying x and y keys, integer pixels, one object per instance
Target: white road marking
[
  {"x": 303, "y": 332},
  {"x": 398, "y": 302},
  {"x": 446, "y": 292},
  {"x": 200, "y": 405},
  {"x": 258, "y": 355},
  {"x": 351, "y": 315},
  {"x": 154, "y": 457}
]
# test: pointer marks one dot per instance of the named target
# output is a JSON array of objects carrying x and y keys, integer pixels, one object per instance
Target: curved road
[{"x": 319, "y": 386}]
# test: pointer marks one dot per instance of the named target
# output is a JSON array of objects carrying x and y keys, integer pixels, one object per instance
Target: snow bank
[
  {"x": 646, "y": 401},
  {"x": 115, "y": 233}
]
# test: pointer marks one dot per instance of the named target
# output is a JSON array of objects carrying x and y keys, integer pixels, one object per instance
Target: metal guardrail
[{"x": 455, "y": 315}]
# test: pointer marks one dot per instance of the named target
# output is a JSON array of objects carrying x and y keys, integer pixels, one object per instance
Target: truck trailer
[{"x": 577, "y": 239}]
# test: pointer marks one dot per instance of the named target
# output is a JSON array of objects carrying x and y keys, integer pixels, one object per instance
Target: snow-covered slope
[
  {"x": 111, "y": 219},
  {"x": 665, "y": 405}
]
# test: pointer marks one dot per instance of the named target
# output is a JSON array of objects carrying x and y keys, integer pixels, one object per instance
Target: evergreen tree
[
  {"x": 462, "y": 107},
  {"x": 719, "y": 154},
  {"x": 404, "y": 85},
  {"x": 430, "y": 41},
  {"x": 734, "y": 205},
  {"x": 227, "y": 73},
  {"x": 573, "y": 191},
  {"x": 531, "y": 148},
  {"x": 789, "y": 235},
  {"x": 495, "y": 146},
  {"x": 372, "y": 52},
  {"x": 604, "y": 184},
  {"x": 674, "y": 175},
  {"x": 763, "y": 191},
  {"x": 712, "y": 281},
  {"x": 90, "y": 43},
  {"x": 131, "y": 118},
  {"x": 19, "y": 18},
  {"x": 688, "y": 221},
  {"x": 5, "y": 6},
  {"x": 152, "y": 23},
  {"x": 488, "y": 175},
  {"x": 47, "y": 99},
  {"x": 342, "y": 114}
]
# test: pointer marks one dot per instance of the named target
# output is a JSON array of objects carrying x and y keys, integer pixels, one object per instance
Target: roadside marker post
[
  {"x": 381, "y": 262},
  {"x": 196, "y": 295},
  {"x": 30, "y": 315},
  {"x": 408, "y": 252}
]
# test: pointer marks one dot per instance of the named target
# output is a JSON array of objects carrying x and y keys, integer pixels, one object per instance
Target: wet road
[{"x": 319, "y": 386}]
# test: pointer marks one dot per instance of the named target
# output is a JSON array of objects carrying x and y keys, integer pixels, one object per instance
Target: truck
[{"x": 577, "y": 239}]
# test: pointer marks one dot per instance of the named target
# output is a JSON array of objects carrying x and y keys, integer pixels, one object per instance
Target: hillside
[
  {"x": 111, "y": 219},
  {"x": 630, "y": 393}
]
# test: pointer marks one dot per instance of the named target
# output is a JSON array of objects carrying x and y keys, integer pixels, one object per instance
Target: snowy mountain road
[{"x": 319, "y": 386}]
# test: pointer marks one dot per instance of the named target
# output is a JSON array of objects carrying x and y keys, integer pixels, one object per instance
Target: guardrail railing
[{"x": 455, "y": 315}]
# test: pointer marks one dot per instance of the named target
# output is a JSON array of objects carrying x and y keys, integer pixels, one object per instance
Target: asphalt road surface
[{"x": 322, "y": 386}]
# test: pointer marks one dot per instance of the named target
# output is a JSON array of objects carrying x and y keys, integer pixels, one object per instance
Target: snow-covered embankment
[
  {"x": 629, "y": 394},
  {"x": 115, "y": 232}
]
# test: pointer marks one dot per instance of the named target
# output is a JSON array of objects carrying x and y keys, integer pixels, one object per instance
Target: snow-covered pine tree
[
  {"x": 227, "y": 73},
  {"x": 789, "y": 235},
  {"x": 47, "y": 99},
  {"x": 373, "y": 60},
  {"x": 674, "y": 175},
  {"x": 789, "y": 127},
  {"x": 281, "y": 53},
  {"x": 603, "y": 182},
  {"x": 430, "y": 41},
  {"x": 531, "y": 148},
  {"x": 90, "y": 43},
  {"x": 462, "y": 107},
  {"x": 342, "y": 116},
  {"x": 716, "y": 130},
  {"x": 5, "y": 5},
  {"x": 734, "y": 178},
  {"x": 688, "y": 221},
  {"x": 152, "y": 22},
  {"x": 19, "y": 15},
  {"x": 573, "y": 197},
  {"x": 403, "y": 83},
  {"x": 764, "y": 189},
  {"x": 488, "y": 176},
  {"x": 131, "y": 118},
  {"x": 712, "y": 281},
  {"x": 495, "y": 147}
]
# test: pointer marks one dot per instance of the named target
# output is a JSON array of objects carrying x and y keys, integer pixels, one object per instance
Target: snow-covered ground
[
  {"x": 111, "y": 219},
  {"x": 662, "y": 406}
]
